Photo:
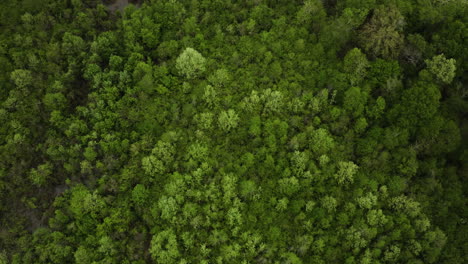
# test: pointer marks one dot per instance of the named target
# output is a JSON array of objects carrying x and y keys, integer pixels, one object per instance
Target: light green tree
[
  {"x": 329, "y": 203},
  {"x": 139, "y": 194},
  {"x": 346, "y": 171},
  {"x": 442, "y": 68},
  {"x": 40, "y": 175},
  {"x": 211, "y": 96},
  {"x": 228, "y": 120},
  {"x": 220, "y": 78},
  {"x": 22, "y": 78},
  {"x": 164, "y": 248},
  {"x": 311, "y": 12},
  {"x": 190, "y": 63},
  {"x": 321, "y": 141},
  {"x": 376, "y": 217},
  {"x": 282, "y": 204},
  {"x": 392, "y": 253},
  {"x": 355, "y": 64},
  {"x": 152, "y": 165},
  {"x": 82, "y": 255},
  {"x": 3, "y": 258},
  {"x": 367, "y": 201}
]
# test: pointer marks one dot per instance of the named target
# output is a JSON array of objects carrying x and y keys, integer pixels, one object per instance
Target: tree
[
  {"x": 355, "y": 101},
  {"x": 311, "y": 12},
  {"x": 139, "y": 194},
  {"x": 418, "y": 105},
  {"x": 247, "y": 189},
  {"x": 346, "y": 172},
  {"x": 321, "y": 141},
  {"x": 190, "y": 63},
  {"x": 40, "y": 175},
  {"x": 443, "y": 69},
  {"x": 367, "y": 201},
  {"x": 355, "y": 64},
  {"x": 204, "y": 120},
  {"x": 3, "y": 258},
  {"x": 152, "y": 165},
  {"x": 54, "y": 101},
  {"x": 228, "y": 120},
  {"x": 22, "y": 78},
  {"x": 282, "y": 204},
  {"x": 337, "y": 32},
  {"x": 392, "y": 254},
  {"x": 164, "y": 247},
  {"x": 72, "y": 45},
  {"x": 329, "y": 203},
  {"x": 161, "y": 156},
  {"x": 381, "y": 36},
  {"x": 220, "y": 78},
  {"x": 83, "y": 202},
  {"x": 376, "y": 217},
  {"x": 273, "y": 100},
  {"x": 211, "y": 96},
  {"x": 83, "y": 255}
]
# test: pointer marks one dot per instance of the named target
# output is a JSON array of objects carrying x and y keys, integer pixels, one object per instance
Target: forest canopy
[{"x": 221, "y": 131}]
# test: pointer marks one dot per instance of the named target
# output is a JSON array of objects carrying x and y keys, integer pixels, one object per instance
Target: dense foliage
[{"x": 222, "y": 131}]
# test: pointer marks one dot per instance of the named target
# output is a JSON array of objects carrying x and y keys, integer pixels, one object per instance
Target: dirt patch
[{"x": 59, "y": 189}]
